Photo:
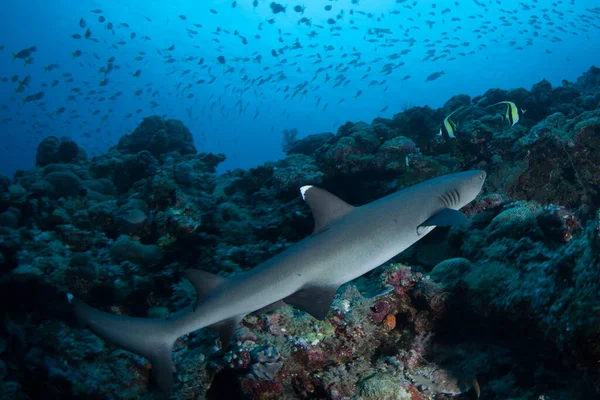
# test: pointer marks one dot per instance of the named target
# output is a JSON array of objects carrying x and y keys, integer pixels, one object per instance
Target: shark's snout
[
  {"x": 469, "y": 185},
  {"x": 478, "y": 176},
  {"x": 477, "y": 183},
  {"x": 481, "y": 179}
]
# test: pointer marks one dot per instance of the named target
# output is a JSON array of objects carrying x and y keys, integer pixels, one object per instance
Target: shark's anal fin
[
  {"x": 315, "y": 300},
  {"x": 226, "y": 329},
  {"x": 204, "y": 283},
  {"x": 446, "y": 217},
  {"x": 325, "y": 207}
]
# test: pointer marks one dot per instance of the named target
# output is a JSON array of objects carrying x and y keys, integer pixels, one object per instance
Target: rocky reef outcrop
[{"x": 504, "y": 307}]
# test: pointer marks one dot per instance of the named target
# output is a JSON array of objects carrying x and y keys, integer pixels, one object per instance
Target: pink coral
[
  {"x": 306, "y": 386},
  {"x": 380, "y": 310},
  {"x": 274, "y": 324},
  {"x": 243, "y": 360},
  {"x": 571, "y": 223},
  {"x": 314, "y": 357},
  {"x": 262, "y": 389},
  {"x": 403, "y": 280},
  {"x": 486, "y": 203}
]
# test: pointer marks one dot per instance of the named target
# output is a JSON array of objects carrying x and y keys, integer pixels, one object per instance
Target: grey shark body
[{"x": 346, "y": 243}]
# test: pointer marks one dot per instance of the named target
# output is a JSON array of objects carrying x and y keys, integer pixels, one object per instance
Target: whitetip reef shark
[{"x": 346, "y": 243}]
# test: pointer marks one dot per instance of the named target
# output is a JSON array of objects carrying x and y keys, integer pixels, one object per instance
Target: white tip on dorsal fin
[
  {"x": 303, "y": 190},
  {"x": 325, "y": 207}
]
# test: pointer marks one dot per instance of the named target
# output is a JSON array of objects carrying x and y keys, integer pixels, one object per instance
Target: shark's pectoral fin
[
  {"x": 446, "y": 217},
  {"x": 315, "y": 300},
  {"x": 226, "y": 329},
  {"x": 204, "y": 282},
  {"x": 325, "y": 207}
]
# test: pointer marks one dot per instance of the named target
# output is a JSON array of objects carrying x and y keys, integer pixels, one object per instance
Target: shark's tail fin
[{"x": 152, "y": 339}]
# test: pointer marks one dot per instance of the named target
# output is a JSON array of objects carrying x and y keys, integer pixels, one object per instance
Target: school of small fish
[{"x": 307, "y": 63}]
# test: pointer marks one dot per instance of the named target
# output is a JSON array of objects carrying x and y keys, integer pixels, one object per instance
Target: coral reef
[
  {"x": 507, "y": 305},
  {"x": 53, "y": 150},
  {"x": 158, "y": 136}
]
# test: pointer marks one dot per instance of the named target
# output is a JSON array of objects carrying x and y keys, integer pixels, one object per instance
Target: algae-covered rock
[
  {"x": 126, "y": 249},
  {"x": 158, "y": 312},
  {"x": 102, "y": 185},
  {"x": 295, "y": 171},
  {"x": 382, "y": 386},
  {"x": 514, "y": 222},
  {"x": 396, "y": 150},
  {"x": 27, "y": 269},
  {"x": 65, "y": 183},
  {"x": 68, "y": 150},
  {"x": 449, "y": 272},
  {"x": 16, "y": 190},
  {"x": 418, "y": 123},
  {"x": 158, "y": 136},
  {"x": 209, "y": 161},
  {"x": 184, "y": 173},
  {"x": 309, "y": 144},
  {"x": 4, "y": 183},
  {"x": 47, "y": 151},
  {"x": 53, "y": 150},
  {"x": 42, "y": 188},
  {"x": 10, "y": 218}
]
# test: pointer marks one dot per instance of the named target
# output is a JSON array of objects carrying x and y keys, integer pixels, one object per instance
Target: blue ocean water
[
  {"x": 370, "y": 260},
  {"x": 310, "y": 65}
]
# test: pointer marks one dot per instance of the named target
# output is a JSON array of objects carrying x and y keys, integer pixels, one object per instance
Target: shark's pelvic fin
[
  {"x": 315, "y": 300},
  {"x": 150, "y": 338},
  {"x": 446, "y": 217},
  {"x": 325, "y": 207},
  {"x": 204, "y": 283},
  {"x": 226, "y": 329}
]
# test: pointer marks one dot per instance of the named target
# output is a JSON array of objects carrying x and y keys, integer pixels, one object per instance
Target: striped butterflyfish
[
  {"x": 512, "y": 114},
  {"x": 449, "y": 128}
]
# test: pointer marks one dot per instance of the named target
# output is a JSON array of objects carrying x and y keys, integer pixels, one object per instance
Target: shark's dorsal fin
[
  {"x": 446, "y": 217},
  {"x": 204, "y": 282},
  {"x": 314, "y": 300},
  {"x": 226, "y": 329},
  {"x": 325, "y": 207}
]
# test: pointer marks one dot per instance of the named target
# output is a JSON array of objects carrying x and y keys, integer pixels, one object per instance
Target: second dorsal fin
[{"x": 325, "y": 206}]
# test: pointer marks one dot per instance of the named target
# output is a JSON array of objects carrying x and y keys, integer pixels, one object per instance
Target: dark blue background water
[{"x": 494, "y": 44}]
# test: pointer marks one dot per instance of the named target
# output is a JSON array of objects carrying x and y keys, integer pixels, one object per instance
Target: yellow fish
[
  {"x": 513, "y": 114},
  {"x": 449, "y": 128}
]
